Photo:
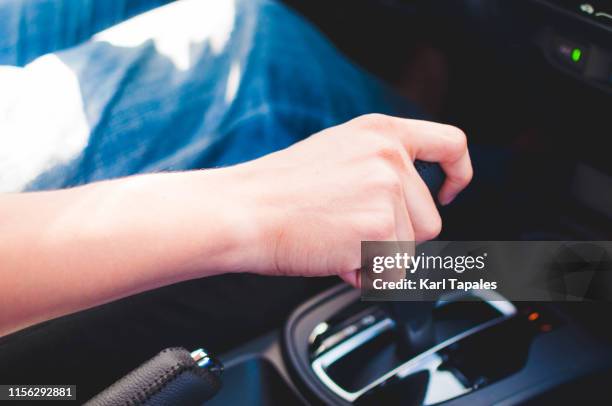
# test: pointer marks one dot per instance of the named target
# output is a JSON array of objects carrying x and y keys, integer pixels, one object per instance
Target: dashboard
[
  {"x": 575, "y": 37},
  {"x": 578, "y": 40}
]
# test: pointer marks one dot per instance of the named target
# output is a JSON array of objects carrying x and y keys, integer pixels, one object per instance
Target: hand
[{"x": 317, "y": 200}]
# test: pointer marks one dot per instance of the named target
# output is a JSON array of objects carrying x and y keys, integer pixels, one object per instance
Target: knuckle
[
  {"x": 457, "y": 140},
  {"x": 390, "y": 152},
  {"x": 463, "y": 178},
  {"x": 387, "y": 182},
  {"x": 383, "y": 229},
  {"x": 432, "y": 228},
  {"x": 467, "y": 177},
  {"x": 373, "y": 121},
  {"x": 394, "y": 189},
  {"x": 379, "y": 225}
]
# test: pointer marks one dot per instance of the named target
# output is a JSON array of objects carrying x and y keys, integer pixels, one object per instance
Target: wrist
[
  {"x": 245, "y": 220},
  {"x": 220, "y": 216}
]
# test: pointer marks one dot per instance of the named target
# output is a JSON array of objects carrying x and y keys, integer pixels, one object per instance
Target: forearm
[{"x": 63, "y": 251}]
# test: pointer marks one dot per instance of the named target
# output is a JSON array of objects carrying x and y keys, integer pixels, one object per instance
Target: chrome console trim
[{"x": 429, "y": 359}]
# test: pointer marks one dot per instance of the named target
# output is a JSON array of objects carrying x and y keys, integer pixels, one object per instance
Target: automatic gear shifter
[
  {"x": 414, "y": 326},
  {"x": 414, "y": 320}
]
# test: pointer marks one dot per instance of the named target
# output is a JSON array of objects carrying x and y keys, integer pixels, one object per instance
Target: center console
[
  {"x": 449, "y": 368},
  {"x": 336, "y": 349}
]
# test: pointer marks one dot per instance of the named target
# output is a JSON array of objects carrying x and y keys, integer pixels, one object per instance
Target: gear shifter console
[
  {"x": 476, "y": 345},
  {"x": 384, "y": 352}
]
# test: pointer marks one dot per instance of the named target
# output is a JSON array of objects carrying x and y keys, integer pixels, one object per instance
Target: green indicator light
[{"x": 576, "y": 54}]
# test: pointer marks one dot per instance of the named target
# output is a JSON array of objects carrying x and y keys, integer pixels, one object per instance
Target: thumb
[{"x": 353, "y": 278}]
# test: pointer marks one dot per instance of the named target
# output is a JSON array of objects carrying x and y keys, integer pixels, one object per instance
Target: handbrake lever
[{"x": 173, "y": 377}]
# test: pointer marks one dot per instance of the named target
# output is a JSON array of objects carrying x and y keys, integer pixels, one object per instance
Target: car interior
[{"x": 530, "y": 82}]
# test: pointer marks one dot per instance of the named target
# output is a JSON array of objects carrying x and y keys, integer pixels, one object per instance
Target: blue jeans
[
  {"x": 31, "y": 28},
  {"x": 172, "y": 103},
  {"x": 181, "y": 96}
]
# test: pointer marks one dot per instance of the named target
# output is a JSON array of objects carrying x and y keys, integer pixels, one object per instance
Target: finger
[
  {"x": 403, "y": 224},
  {"x": 405, "y": 232},
  {"x": 434, "y": 142},
  {"x": 453, "y": 185},
  {"x": 353, "y": 278},
  {"x": 418, "y": 218},
  {"x": 446, "y": 145}
]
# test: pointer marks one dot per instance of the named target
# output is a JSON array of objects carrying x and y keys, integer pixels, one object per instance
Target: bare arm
[
  {"x": 65, "y": 250},
  {"x": 300, "y": 211}
]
